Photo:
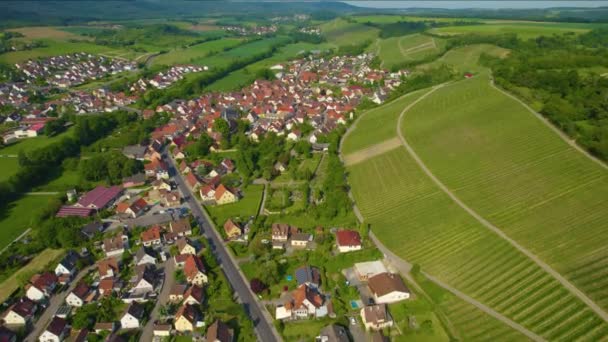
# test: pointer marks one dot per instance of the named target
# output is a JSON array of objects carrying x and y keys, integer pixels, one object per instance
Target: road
[
  {"x": 163, "y": 298},
  {"x": 56, "y": 301},
  {"x": 262, "y": 323},
  {"x": 565, "y": 283}
]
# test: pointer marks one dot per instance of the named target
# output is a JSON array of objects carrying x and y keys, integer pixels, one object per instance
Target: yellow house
[
  {"x": 186, "y": 318},
  {"x": 194, "y": 271},
  {"x": 185, "y": 247},
  {"x": 232, "y": 229},
  {"x": 224, "y": 196}
]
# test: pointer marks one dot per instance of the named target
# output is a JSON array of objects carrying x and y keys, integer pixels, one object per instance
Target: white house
[
  {"x": 348, "y": 241},
  {"x": 145, "y": 281},
  {"x": 143, "y": 257},
  {"x": 376, "y": 317},
  {"x": 57, "y": 331},
  {"x": 67, "y": 266},
  {"x": 20, "y": 313},
  {"x": 41, "y": 286},
  {"x": 388, "y": 288},
  {"x": 78, "y": 296},
  {"x": 132, "y": 318}
]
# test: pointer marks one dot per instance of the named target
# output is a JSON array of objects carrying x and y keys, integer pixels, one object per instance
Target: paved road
[
  {"x": 261, "y": 322},
  {"x": 163, "y": 298},
  {"x": 56, "y": 301},
  {"x": 573, "y": 289}
]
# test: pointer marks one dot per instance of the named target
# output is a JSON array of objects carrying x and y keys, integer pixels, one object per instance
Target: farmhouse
[
  {"x": 388, "y": 288},
  {"x": 348, "y": 241}
]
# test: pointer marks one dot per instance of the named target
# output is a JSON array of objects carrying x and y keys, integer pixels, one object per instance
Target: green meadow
[
  {"x": 340, "y": 32},
  {"x": 188, "y": 55},
  {"x": 524, "y": 30}
]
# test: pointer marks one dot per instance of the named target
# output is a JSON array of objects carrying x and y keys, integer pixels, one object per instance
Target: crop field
[
  {"x": 340, "y": 32},
  {"x": 19, "y": 215},
  {"x": 524, "y": 30},
  {"x": 223, "y": 59},
  {"x": 45, "y": 32},
  {"x": 396, "y": 50},
  {"x": 465, "y": 59},
  {"x": 55, "y": 48},
  {"x": 198, "y": 51},
  {"x": 35, "y": 265},
  {"x": 245, "y": 207},
  {"x": 417, "y": 221},
  {"x": 517, "y": 173},
  {"x": 378, "y": 124},
  {"x": 8, "y": 167}
]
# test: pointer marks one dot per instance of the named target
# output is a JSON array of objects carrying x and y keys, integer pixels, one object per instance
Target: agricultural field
[
  {"x": 56, "y": 33},
  {"x": 465, "y": 59},
  {"x": 19, "y": 216},
  {"x": 524, "y": 30},
  {"x": 37, "y": 264},
  {"x": 340, "y": 32},
  {"x": 388, "y": 19},
  {"x": 420, "y": 223},
  {"x": 223, "y": 59},
  {"x": 378, "y": 124},
  {"x": 517, "y": 173},
  {"x": 188, "y": 55},
  {"x": 57, "y": 47},
  {"x": 398, "y": 50},
  {"x": 8, "y": 167},
  {"x": 244, "y": 208}
]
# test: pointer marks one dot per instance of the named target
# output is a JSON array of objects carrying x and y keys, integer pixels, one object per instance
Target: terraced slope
[
  {"x": 420, "y": 223},
  {"x": 518, "y": 174}
]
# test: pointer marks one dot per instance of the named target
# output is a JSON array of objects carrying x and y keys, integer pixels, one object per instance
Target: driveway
[
  {"x": 163, "y": 298},
  {"x": 56, "y": 301}
]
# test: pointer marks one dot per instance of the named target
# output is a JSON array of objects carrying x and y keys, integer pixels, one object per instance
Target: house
[
  {"x": 300, "y": 239},
  {"x": 227, "y": 165},
  {"x": 161, "y": 184},
  {"x": 309, "y": 276},
  {"x": 137, "y": 152},
  {"x": 6, "y": 335},
  {"x": 138, "y": 179},
  {"x": 41, "y": 286},
  {"x": 101, "y": 327},
  {"x": 185, "y": 246},
  {"x": 56, "y": 331},
  {"x": 219, "y": 331},
  {"x": 333, "y": 333},
  {"x": 156, "y": 169},
  {"x": 195, "y": 270},
  {"x": 368, "y": 269},
  {"x": 144, "y": 281},
  {"x": 348, "y": 240},
  {"x": 170, "y": 198},
  {"x": 306, "y": 302},
  {"x": 133, "y": 208},
  {"x": 282, "y": 232},
  {"x": 99, "y": 198},
  {"x": 151, "y": 236},
  {"x": 132, "y": 318},
  {"x": 232, "y": 229},
  {"x": 162, "y": 330},
  {"x": 294, "y": 135},
  {"x": 181, "y": 227},
  {"x": 180, "y": 260},
  {"x": 107, "y": 286},
  {"x": 187, "y": 318},
  {"x": 195, "y": 295},
  {"x": 78, "y": 297},
  {"x": 20, "y": 313},
  {"x": 207, "y": 193},
  {"x": 67, "y": 266},
  {"x": 193, "y": 182},
  {"x": 89, "y": 230},
  {"x": 280, "y": 167},
  {"x": 177, "y": 293},
  {"x": 388, "y": 288},
  {"x": 144, "y": 257},
  {"x": 115, "y": 246},
  {"x": 107, "y": 268},
  {"x": 224, "y": 196},
  {"x": 376, "y": 317}
]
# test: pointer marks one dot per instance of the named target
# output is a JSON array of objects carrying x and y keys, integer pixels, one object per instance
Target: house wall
[
  {"x": 392, "y": 297},
  {"x": 49, "y": 337},
  {"x": 129, "y": 322},
  {"x": 188, "y": 250},
  {"x": 73, "y": 300},
  {"x": 34, "y": 294},
  {"x": 12, "y": 319},
  {"x": 227, "y": 198},
  {"x": 182, "y": 324},
  {"x": 199, "y": 279},
  {"x": 344, "y": 249}
]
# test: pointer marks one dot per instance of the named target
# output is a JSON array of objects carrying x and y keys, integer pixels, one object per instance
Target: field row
[
  {"x": 505, "y": 164},
  {"x": 421, "y": 224}
]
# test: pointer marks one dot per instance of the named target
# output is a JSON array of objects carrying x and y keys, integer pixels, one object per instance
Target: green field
[
  {"x": 29, "y": 144},
  {"x": 19, "y": 216},
  {"x": 387, "y": 19},
  {"x": 8, "y": 167},
  {"x": 397, "y": 50},
  {"x": 340, "y": 32},
  {"x": 378, "y": 124},
  {"x": 247, "y": 206},
  {"x": 55, "y": 48},
  {"x": 412, "y": 217},
  {"x": 524, "y": 30},
  {"x": 223, "y": 59},
  {"x": 505, "y": 164},
  {"x": 465, "y": 59},
  {"x": 35, "y": 265},
  {"x": 198, "y": 51}
]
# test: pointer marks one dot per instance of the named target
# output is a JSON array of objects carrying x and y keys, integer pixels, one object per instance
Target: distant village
[{"x": 258, "y": 30}]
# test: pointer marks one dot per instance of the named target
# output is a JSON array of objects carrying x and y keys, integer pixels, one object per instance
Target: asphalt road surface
[{"x": 263, "y": 328}]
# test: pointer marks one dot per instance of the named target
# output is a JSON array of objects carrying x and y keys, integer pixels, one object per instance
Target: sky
[{"x": 449, "y": 4}]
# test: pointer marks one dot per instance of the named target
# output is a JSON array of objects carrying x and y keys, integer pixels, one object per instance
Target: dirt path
[
  {"x": 573, "y": 289},
  {"x": 561, "y": 134},
  {"x": 404, "y": 268},
  {"x": 372, "y": 151}
]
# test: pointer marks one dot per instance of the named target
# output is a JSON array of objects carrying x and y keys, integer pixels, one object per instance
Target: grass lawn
[
  {"x": 420, "y": 223},
  {"x": 18, "y": 217},
  {"x": 197, "y": 51},
  {"x": 517, "y": 173},
  {"x": 29, "y": 144},
  {"x": 68, "y": 179},
  {"x": 410, "y": 48},
  {"x": 304, "y": 330},
  {"x": 8, "y": 167},
  {"x": 304, "y": 220},
  {"x": 378, "y": 124},
  {"x": 55, "y": 48},
  {"x": 525, "y": 30},
  {"x": 35, "y": 265},
  {"x": 244, "y": 208}
]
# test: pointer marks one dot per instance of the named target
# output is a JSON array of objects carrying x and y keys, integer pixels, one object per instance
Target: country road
[
  {"x": 573, "y": 289},
  {"x": 262, "y": 322},
  {"x": 56, "y": 301}
]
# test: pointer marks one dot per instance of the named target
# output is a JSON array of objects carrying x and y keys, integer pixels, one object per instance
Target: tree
[{"x": 257, "y": 286}]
